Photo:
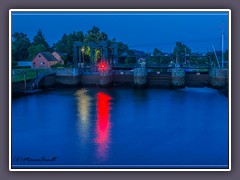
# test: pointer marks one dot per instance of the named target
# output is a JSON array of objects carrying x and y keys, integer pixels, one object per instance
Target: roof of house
[
  {"x": 48, "y": 56},
  {"x": 61, "y": 53}
]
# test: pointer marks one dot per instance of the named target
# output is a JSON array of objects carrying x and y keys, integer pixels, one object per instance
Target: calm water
[{"x": 96, "y": 127}]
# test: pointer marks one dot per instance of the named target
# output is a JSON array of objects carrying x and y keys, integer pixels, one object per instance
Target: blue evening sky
[{"x": 140, "y": 30}]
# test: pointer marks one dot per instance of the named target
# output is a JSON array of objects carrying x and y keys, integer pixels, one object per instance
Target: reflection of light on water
[
  {"x": 84, "y": 105},
  {"x": 103, "y": 124}
]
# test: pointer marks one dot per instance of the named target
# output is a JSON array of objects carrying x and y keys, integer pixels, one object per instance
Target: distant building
[
  {"x": 44, "y": 60},
  {"x": 59, "y": 56},
  {"x": 24, "y": 63}
]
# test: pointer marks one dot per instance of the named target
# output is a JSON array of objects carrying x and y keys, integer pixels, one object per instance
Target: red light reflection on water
[{"x": 103, "y": 124}]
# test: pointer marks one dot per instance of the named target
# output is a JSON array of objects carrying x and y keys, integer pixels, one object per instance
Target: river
[{"x": 120, "y": 128}]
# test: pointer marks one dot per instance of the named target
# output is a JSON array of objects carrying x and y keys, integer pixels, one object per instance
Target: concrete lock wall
[
  {"x": 197, "y": 79},
  {"x": 161, "y": 79},
  {"x": 67, "y": 76},
  {"x": 105, "y": 78},
  {"x": 218, "y": 77},
  {"x": 122, "y": 77},
  {"x": 65, "y": 71},
  {"x": 140, "y": 76},
  {"x": 49, "y": 80},
  {"x": 178, "y": 77},
  {"x": 68, "y": 80},
  {"x": 89, "y": 78}
]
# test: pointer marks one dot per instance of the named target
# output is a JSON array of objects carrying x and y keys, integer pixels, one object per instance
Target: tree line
[{"x": 24, "y": 49}]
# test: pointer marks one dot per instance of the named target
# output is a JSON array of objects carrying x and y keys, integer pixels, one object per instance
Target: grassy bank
[{"x": 25, "y": 74}]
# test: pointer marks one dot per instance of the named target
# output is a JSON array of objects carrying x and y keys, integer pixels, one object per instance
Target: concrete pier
[
  {"x": 169, "y": 77},
  {"x": 89, "y": 78},
  {"x": 67, "y": 76},
  {"x": 140, "y": 76},
  {"x": 105, "y": 78},
  {"x": 178, "y": 77},
  {"x": 218, "y": 77}
]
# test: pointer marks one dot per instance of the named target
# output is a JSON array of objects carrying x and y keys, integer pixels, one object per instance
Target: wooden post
[
  {"x": 37, "y": 78},
  {"x": 25, "y": 82}
]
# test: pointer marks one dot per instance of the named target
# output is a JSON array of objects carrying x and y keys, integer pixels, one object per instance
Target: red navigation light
[{"x": 102, "y": 66}]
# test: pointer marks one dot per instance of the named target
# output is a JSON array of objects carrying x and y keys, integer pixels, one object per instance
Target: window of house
[{"x": 39, "y": 55}]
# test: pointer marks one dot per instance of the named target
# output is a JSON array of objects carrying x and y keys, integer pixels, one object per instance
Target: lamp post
[{"x": 83, "y": 53}]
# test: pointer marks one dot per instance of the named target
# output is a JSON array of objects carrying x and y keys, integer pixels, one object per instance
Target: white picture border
[{"x": 117, "y": 10}]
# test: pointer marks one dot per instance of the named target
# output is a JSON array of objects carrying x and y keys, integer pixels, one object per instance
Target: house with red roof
[{"x": 59, "y": 56}]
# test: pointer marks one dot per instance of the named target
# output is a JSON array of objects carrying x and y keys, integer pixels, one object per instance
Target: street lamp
[{"x": 83, "y": 53}]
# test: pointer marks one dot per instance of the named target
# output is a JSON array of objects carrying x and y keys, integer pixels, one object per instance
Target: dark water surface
[{"x": 97, "y": 127}]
